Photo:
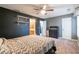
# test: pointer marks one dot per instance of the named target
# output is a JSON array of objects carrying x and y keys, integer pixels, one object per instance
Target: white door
[
  {"x": 66, "y": 28},
  {"x": 43, "y": 28},
  {"x": 78, "y": 27}
]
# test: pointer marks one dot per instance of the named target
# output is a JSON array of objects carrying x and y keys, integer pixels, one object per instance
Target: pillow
[{"x": 1, "y": 41}]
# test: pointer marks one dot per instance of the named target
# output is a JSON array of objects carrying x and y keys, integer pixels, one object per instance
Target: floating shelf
[{"x": 23, "y": 22}]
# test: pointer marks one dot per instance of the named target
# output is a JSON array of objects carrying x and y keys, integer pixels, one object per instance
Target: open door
[
  {"x": 66, "y": 28},
  {"x": 32, "y": 26}
]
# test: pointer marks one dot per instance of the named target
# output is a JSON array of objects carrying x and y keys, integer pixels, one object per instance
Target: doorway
[
  {"x": 32, "y": 26},
  {"x": 43, "y": 28}
]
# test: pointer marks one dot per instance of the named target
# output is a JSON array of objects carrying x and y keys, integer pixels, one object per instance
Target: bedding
[{"x": 27, "y": 45}]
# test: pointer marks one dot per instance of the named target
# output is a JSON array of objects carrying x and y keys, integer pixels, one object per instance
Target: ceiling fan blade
[
  {"x": 36, "y": 9},
  {"x": 50, "y": 10},
  {"x": 37, "y": 13}
]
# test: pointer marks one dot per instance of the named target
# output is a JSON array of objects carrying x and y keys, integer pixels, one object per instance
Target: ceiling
[{"x": 59, "y": 9}]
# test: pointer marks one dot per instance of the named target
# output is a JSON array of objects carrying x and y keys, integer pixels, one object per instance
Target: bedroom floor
[{"x": 65, "y": 46}]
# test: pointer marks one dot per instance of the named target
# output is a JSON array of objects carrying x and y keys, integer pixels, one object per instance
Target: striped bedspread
[{"x": 26, "y": 45}]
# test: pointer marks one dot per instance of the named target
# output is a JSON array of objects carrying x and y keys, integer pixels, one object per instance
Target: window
[{"x": 78, "y": 27}]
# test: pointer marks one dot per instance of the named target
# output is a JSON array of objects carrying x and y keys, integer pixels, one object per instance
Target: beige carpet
[{"x": 65, "y": 46}]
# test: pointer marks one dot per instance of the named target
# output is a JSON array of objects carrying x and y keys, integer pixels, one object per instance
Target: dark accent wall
[
  {"x": 38, "y": 27},
  {"x": 8, "y": 26},
  {"x": 0, "y": 24}
]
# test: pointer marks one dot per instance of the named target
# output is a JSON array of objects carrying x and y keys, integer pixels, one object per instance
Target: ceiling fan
[{"x": 44, "y": 9}]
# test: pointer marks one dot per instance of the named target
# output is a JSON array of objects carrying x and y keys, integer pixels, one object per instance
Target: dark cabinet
[{"x": 53, "y": 31}]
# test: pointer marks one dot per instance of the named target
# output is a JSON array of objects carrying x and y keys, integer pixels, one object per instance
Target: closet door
[
  {"x": 32, "y": 26},
  {"x": 66, "y": 28}
]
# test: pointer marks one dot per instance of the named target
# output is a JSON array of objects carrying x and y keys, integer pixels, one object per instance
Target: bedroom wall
[
  {"x": 57, "y": 21},
  {"x": 0, "y": 23},
  {"x": 74, "y": 27},
  {"x": 8, "y": 26}
]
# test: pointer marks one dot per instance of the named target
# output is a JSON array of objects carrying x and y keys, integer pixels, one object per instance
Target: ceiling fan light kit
[{"x": 43, "y": 10}]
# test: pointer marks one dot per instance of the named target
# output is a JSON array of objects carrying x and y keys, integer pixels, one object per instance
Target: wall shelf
[{"x": 21, "y": 22}]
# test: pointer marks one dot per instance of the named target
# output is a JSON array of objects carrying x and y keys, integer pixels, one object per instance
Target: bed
[{"x": 27, "y": 45}]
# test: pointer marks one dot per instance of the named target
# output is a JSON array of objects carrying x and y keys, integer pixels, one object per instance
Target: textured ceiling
[{"x": 59, "y": 9}]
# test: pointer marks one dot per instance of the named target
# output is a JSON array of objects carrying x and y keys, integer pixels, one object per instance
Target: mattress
[{"x": 26, "y": 45}]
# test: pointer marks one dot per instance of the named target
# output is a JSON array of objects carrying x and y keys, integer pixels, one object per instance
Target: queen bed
[{"x": 31, "y": 44}]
